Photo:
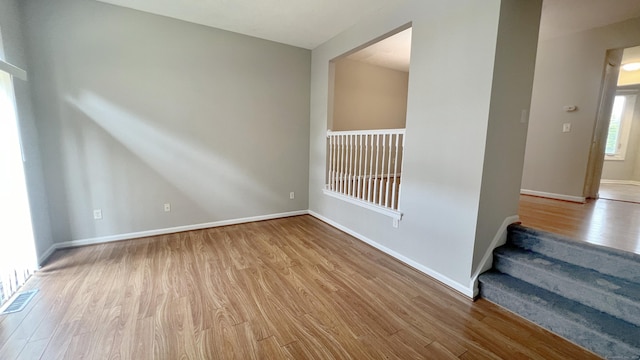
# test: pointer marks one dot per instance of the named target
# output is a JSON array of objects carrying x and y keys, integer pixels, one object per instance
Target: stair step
[
  {"x": 605, "y": 260},
  {"x": 594, "y": 330},
  {"x": 614, "y": 296}
]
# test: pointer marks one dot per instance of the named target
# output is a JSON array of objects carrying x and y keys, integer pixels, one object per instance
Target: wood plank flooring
[
  {"x": 291, "y": 288},
  {"x": 620, "y": 192},
  {"x": 614, "y": 224}
]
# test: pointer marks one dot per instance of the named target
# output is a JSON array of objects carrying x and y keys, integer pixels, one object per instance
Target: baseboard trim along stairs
[{"x": 585, "y": 293}]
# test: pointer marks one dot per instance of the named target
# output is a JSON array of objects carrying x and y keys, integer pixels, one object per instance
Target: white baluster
[
  {"x": 330, "y": 179},
  {"x": 384, "y": 138},
  {"x": 336, "y": 161},
  {"x": 341, "y": 175},
  {"x": 387, "y": 193},
  {"x": 375, "y": 180},
  {"x": 370, "y": 172},
  {"x": 395, "y": 175},
  {"x": 359, "y": 194}
]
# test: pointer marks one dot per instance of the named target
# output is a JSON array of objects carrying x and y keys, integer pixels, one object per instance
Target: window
[
  {"x": 620, "y": 126},
  {"x": 17, "y": 250}
]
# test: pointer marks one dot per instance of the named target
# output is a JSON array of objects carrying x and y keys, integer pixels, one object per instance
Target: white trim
[
  {"x": 614, "y": 157},
  {"x": 579, "y": 199},
  {"x": 141, "y": 234},
  {"x": 47, "y": 254},
  {"x": 366, "y": 176},
  {"x": 366, "y": 132},
  {"x": 620, "y": 182},
  {"x": 13, "y": 70},
  {"x": 395, "y": 214},
  {"x": 465, "y": 290},
  {"x": 487, "y": 260}
]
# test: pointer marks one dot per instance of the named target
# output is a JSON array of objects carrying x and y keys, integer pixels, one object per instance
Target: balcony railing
[{"x": 366, "y": 166}]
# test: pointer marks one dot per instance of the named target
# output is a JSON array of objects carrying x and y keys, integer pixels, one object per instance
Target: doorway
[
  {"x": 17, "y": 249},
  {"x": 620, "y": 175}
]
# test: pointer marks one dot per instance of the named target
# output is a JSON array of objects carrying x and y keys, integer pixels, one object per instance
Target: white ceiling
[
  {"x": 302, "y": 23},
  {"x": 560, "y": 17},
  {"x": 393, "y": 52},
  {"x": 309, "y": 23}
]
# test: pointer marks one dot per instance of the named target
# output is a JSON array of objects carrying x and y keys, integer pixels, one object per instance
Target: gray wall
[
  {"x": 14, "y": 49},
  {"x": 445, "y": 141},
  {"x": 136, "y": 110},
  {"x": 569, "y": 71},
  {"x": 507, "y": 130},
  {"x": 368, "y": 97}
]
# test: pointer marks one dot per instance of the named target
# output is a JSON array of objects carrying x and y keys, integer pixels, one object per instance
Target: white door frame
[{"x": 601, "y": 128}]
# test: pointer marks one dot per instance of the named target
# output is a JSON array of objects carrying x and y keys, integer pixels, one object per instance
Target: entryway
[{"x": 620, "y": 178}]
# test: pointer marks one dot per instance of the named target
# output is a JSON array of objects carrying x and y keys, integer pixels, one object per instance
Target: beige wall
[
  {"x": 446, "y": 143},
  {"x": 368, "y": 97},
  {"x": 136, "y": 110},
  {"x": 569, "y": 71},
  {"x": 14, "y": 49}
]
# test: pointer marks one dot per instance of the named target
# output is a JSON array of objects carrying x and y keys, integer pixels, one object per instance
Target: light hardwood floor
[
  {"x": 604, "y": 222},
  {"x": 620, "y": 192},
  {"x": 291, "y": 288}
]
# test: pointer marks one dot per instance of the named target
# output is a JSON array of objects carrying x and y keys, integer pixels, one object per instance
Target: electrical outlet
[
  {"x": 167, "y": 207},
  {"x": 97, "y": 214},
  {"x": 396, "y": 223},
  {"x": 292, "y": 195}
]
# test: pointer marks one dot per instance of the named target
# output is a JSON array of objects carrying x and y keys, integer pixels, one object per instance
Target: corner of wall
[{"x": 487, "y": 259}]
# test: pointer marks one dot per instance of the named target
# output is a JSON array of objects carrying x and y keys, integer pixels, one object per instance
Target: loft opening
[{"x": 368, "y": 90}]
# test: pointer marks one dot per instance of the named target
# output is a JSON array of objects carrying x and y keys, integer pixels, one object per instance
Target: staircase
[{"x": 585, "y": 293}]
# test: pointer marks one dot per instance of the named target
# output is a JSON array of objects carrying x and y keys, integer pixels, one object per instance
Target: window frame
[{"x": 626, "y": 122}]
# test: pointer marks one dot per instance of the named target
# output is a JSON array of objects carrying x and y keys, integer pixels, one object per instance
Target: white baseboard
[
  {"x": 620, "y": 182},
  {"x": 578, "y": 199},
  {"x": 45, "y": 256},
  {"x": 487, "y": 260},
  {"x": 141, "y": 234},
  {"x": 466, "y": 290}
]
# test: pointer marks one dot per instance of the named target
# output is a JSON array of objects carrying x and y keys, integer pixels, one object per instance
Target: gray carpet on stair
[
  {"x": 602, "y": 259},
  {"x": 585, "y": 293},
  {"x": 606, "y": 293}
]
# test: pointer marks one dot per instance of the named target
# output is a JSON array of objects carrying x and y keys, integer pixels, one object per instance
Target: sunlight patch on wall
[{"x": 196, "y": 171}]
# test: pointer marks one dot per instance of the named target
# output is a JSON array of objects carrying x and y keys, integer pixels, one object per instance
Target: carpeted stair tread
[
  {"x": 605, "y": 260},
  {"x": 602, "y": 333},
  {"x": 615, "y": 296}
]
